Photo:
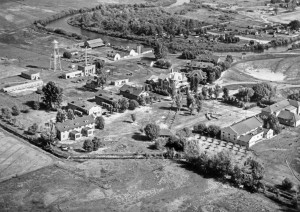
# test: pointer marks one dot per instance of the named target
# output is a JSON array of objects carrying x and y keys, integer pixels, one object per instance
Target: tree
[
  {"x": 61, "y": 116},
  {"x": 210, "y": 92},
  {"x": 100, "y": 122},
  {"x": 199, "y": 104},
  {"x": 214, "y": 131},
  {"x": 217, "y": 91},
  {"x": 225, "y": 93},
  {"x": 70, "y": 114},
  {"x": 133, "y": 104},
  {"x": 184, "y": 133},
  {"x": 101, "y": 80},
  {"x": 141, "y": 100},
  {"x": 99, "y": 64},
  {"x": 201, "y": 129},
  {"x": 15, "y": 110},
  {"x": 52, "y": 95},
  {"x": 160, "y": 143},
  {"x": 160, "y": 51},
  {"x": 36, "y": 105},
  {"x": 67, "y": 55},
  {"x": 33, "y": 129},
  {"x": 6, "y": 113},
  {"x": 123, "y": 104},
  {"x": 178, "y": 101},
  {"x": 152, "y": 131},
  {"x": 273, "y": 123},
  {"x": 294, "y": 25},
  {"x": 88, "y": 145},
  {"x": 204, "y": 92},
  {"x": 133, "y": 117},
  {"x": 97, "y": 143},
  {"x": 287, "y": 184},
  {"x": 261, "y": 91}
]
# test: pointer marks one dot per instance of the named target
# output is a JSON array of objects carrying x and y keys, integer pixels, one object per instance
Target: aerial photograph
[{"x": 150, "y": 105}]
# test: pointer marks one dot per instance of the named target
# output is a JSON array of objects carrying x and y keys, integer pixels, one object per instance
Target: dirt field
[
  {"x": 16, "y": 158},
  {"x": 125, "y": 186}
]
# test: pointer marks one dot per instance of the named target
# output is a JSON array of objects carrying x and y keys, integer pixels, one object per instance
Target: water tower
[{"x": 55, "y": 58}]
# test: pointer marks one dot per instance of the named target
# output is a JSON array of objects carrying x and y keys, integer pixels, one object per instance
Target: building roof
[
  {"x": 197, "y": 64},
  {"x": 30, "y": 72},
  {"x": 153, "y": 77},
  {"x": 109, "y": 96},
  {"x": 95, "y": 43},
  {"x": 163, "y": 76},
  {"x": 75, "y": 123},
  {"x": 86, "y": 105},
  {"x": 165, "y": 132},
  {"x": 244, "y": 126},
  {"x": 199, "y": 73},
  {"x": 249, "y": 136},
  {"x": 287, "y": 115},
  {"x": 136, "y": 91},
  {"x": 281, "y": 105}
]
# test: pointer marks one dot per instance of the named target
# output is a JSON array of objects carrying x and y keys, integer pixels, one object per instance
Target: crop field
[
  {"x": 17, "y": 158},
  {"x": 131, "y": 185}
]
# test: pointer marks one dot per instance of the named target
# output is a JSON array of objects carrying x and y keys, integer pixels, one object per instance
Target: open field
[
  {"x": 274, "y": 153},
  {"x": 129, "y": 185},
  {"x": 16, "y": 158}
]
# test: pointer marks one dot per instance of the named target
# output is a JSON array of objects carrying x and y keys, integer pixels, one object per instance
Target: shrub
[
  {"x": 160, "y": 143},
  {"x": 176, "y": 143},
  {"x": 97, "y": 143},
  {"x": 214, "y": 131},
  {"x": 152, "y": 131},
  {"x": 36, "y": 105},
  {"x": 88, "y": 145},
  {"x": 6, "y": 113},
  {"x": 67, "y": 55},
  {"x": 15, "y": 110},
  {"x": 133, "y": 104},
  {"x": 100, "y": 122},
  {"x": 33, "y": 129},
  {"x": 287, "y": 184},
  {"x": 201, "y": 129},
  {"x": 184, "y": 133}
]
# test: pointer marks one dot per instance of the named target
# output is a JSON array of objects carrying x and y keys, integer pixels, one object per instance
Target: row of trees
[
  {"x": 211, "y": 130},
  {"x": 92, "y": 145},
  {"x": 221, "y": 166}
]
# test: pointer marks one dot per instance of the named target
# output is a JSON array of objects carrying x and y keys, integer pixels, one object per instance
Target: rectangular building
[
  {"x": 31, "y": 75},
  {"x": 87, "y": 69},
  {"x": 29, "y": 85},
  {"x": 85, "y": 107},
  {"x": 72, "y": 74},
  {"x": 76, "y": 128}
]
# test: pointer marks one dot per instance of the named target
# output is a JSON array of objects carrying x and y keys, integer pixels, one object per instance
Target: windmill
[{"x": 55, "y": 58}]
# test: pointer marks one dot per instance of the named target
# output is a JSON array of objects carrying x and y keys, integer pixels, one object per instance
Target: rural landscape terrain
[{"x": 150, "y": 105}]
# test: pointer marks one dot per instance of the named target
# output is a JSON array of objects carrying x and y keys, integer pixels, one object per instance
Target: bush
[
  {"x": 160, "y": 143},
  {"x": 133, "y": 104},
  {"x": 36, "y": 105},
  {"x": 152, "y": 131},
  {"x": 6, "y": 113},
  {"x": 176, "y": 143},
  {"x": 287, "y": 184},
  {"x": 15, "y": 110},
  {"x": 97, "y": 143},
  {"x": 100, "y": 122},
  {"x": 184, "y": 133},
  {"x": 33, "y": 129},
  {"x": 88, "y": 145},
  {"x": 67, "y": 55},
  {"x": 214, "y": 131},
  {"x": 201, "y": 129}
]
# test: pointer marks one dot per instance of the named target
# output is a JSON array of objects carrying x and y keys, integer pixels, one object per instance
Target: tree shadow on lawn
[
  {"x": 80, "y": 150},
  {"x": 139, "y": 137}
]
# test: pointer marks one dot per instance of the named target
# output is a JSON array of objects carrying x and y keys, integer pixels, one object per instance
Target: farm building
[
  {"x": 287, "y": 104},
  {"x": 107, "y": 98},
  {"x": 114, "y": 56},
  {"x": 288, "y": 118},
  {"x": 72, "y": 74},
  {"x": 87, "y": 69},
  {"x": 76, "y": 128},
  {"x": 85, "y": 108},
  {"x": 29, "y": 85},
  {"x": 247, "y": 132},
  {"x": 133, "y": 53},
  {"x": 94, "y": 43},
  {"x": 132, "y": 92},
  {"x": 31, "y": 75},
  {"x": 119, "y": 82}
]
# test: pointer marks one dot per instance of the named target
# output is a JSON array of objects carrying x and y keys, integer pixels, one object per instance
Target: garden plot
[{"x": 17, "y": 158}]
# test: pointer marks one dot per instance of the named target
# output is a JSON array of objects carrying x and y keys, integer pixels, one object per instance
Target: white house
[{"x": 85, "y": 107}]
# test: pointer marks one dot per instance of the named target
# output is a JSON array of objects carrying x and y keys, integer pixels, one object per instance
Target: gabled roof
[
  {"x": 244, "y": 126},
  {"x": 136, "y": 91},
  {"x": 287, "y": 115},
  {"x": 249, "y": 136},
  {"x": 199, "y": 73},
  {"x": 30, "y": 72},
  {"x": 75, "y": 123},
  {"x": 95, "y": 43},
  {"x": 281, "y": 105},
  {"x": 82, "y": 104}
]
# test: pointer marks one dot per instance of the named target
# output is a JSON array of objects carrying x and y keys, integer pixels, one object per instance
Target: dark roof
[
  {"x": 136, "y": 91},
  {"x": 75, "y": 123},
  {"x": 30, "y": 72},
  {"x": 95, "y": 43},
  {"x": 201, "y": 75},
  {"x": 109, "y": 96},
  {"x": 287, "y": 115},
  {"x": 86, "y": 105},
  {"x": 244, "y": 126},
  {"x": 281, "y": 105}
]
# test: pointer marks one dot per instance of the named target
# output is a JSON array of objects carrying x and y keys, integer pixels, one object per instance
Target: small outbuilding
[{"x": 31, "y": 75}]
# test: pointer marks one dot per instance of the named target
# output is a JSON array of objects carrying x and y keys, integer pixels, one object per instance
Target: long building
[{"x": 28, "y": 85}]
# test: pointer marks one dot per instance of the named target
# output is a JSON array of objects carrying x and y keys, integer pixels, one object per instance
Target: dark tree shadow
[
  {"x": 139, "y": 137},
  {"x": 79, "y": 150}
]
